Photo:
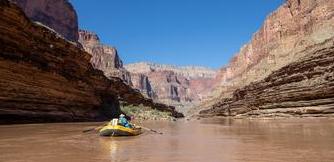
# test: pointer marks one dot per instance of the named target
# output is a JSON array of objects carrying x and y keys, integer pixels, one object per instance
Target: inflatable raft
[{"x": 113, "y": 129}]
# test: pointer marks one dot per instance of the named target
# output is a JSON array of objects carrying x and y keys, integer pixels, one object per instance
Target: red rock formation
[
  {"x": 293, "y": 27},
  {"x": 169, "y": 87},
  {"x": 143, "y": 84},
  {"x": 288, "y": 35},
  {"x": 186, "y": 71},
  {"x": 179, "y": 86},
  {"x": 46, "y": 78},
  {"x": 104, "y": 57},
  {"x": 202, "y": 87},
  {"x": 56, "y": 14},
  {"x": 302, "y": 88}
]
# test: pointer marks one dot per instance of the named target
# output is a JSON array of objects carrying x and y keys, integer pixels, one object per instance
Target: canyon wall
[
  {"x": 47, "y": 78},
  {"x": 293, "y": 27},
  {"x": 104, "y": 57},
  {"x": 171, "y": 85},
  {"x": 143, "y": 84},
  {"x": 56, "y": 14},
  {"x": 177, "y": 86},
  {"x": 186, "y": 71},
  {"x": 303, "y": 88},
  {"x": 290, "y": 35},
  {"x": 182, "y": 87}
]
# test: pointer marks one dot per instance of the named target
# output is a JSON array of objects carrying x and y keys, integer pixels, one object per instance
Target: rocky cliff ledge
[
  {"x": 104, "y": 57},
  {"x": 302, "y": 88},
  {"x": 46, "y": 78},
  {"x": 292, "y": 28}
]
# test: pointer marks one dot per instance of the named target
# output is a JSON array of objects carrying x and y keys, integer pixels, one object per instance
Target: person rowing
[{"x": 123, "y": 121}]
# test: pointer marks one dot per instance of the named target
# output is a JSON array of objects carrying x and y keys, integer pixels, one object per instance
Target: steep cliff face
[
  {"x": 302, "y": 88},
  {"x": 169, "y": 87},
  {"x": 143, "y": 84},
  {"x": 293, "y": 27},
  {"x": 178, "y": 86},
  {"x": 289, "y": 37},
  {"x": 46, "y": 78},
  {"x": 186, "y": 71},
  {"x": 104, "y": 57},
  {"x": 56, "y": 14}
]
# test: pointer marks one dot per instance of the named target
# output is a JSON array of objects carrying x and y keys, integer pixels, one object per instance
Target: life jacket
[{"x": 122, "y": 121}]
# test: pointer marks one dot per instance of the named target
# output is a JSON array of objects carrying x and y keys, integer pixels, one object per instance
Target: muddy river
[{"x": 207, "y": 140}]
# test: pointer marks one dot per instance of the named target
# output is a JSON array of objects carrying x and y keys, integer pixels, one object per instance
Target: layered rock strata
[
  {"x": 46, "y": 78},
  {"x": 143, "y": 84},
  {"x": 104, "y": 57},
  {"x": 302, "y": 88},
  {"x": 177, "y": 86},
  {"x": 292, "y": 28},
  {"x": 56, "y": 14},
  {"x": 186, "y": 71},
  {"x": 289, "y": 37}
]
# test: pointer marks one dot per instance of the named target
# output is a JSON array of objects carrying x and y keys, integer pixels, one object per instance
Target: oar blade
[
  {"x": 152, "y": 130},
  {"x": 88, "y": 130}
]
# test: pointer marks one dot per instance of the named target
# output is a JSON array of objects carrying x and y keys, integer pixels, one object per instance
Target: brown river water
[{"x": 207, "y": 140}]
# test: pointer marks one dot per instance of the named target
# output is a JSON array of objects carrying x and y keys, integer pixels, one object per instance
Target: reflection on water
[
  {"x": 206, "y": 140},
  {"x": 113, "y": 149}
]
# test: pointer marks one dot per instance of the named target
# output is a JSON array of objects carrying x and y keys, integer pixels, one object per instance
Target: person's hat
[{"x": 122, "y": 115}]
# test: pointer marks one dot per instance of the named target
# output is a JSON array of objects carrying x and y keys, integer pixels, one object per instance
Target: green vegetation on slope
[{"x": 145, "y": 113}]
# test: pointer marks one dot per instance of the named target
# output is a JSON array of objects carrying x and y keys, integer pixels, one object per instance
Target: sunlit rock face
[
  {"x": 56, "y": 14},
  {"x": 303, "y": 88},
  {"x": 293, "y": 27},
  {"x": 143, "y": 84},
  {"x": 104, "y": 57},
  {"x": 291, "y": 36},
  {"x": 186, "y": 71},
  {"x": 178, "y": 86}
]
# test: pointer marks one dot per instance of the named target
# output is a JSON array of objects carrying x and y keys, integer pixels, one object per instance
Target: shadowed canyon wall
[
  {"x": 293, "y": 35},
  {"x": 56, "y": 14},
  {"x": 46, "y": 78}
]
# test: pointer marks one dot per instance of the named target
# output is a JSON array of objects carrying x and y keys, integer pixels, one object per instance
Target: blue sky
[{"x": 180, "y": 32}]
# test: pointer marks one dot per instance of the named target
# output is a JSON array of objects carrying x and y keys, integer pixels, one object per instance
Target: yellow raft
[{"x": 118, "y": 130}]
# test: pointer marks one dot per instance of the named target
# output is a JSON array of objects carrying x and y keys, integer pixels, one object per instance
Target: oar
[
  {"x": 93, "y": 129},
  {"x": 152, "y": 130}
]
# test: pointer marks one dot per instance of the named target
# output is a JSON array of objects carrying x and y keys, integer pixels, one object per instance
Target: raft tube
[{"x": 119, "y": 130}]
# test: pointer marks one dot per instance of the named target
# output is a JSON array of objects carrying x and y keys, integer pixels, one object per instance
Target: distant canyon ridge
[
  {"x": 182, "y": 87},
  {"x": 177, "y": 86}
]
